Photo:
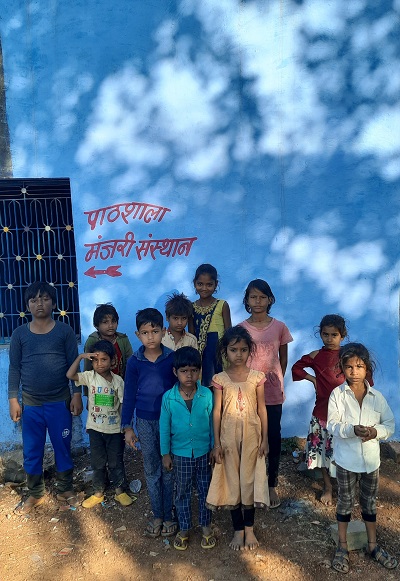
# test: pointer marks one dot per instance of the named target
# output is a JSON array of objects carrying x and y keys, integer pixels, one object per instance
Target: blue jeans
[{"x": 160, "y": 482}]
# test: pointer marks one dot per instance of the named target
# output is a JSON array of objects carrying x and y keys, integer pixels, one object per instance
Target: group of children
[{"x": 204, "y": 404}]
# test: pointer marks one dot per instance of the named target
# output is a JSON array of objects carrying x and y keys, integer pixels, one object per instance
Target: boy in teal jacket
[{"x": 186, "y": 443}]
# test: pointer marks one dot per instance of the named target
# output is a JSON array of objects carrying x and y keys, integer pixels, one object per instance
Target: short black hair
[
  {"x": 187, "y": 357},
  {"x": 262, "y": 286},
  {"x": 356, "y": 350},
  {"x": 102, "y": 311},
  {"x": 179, "y": 305},
  {"x": 333, "y": 321},
  {"x": 40, "y": 288},
  {"x": 105, "y": 347},
  {"x": 152, "y": 316}
]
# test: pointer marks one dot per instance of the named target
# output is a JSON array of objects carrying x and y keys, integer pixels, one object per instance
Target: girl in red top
[{"x": 328, "y": 375}]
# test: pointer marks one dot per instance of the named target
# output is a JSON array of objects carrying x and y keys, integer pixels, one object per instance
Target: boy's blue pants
[{"x": 56, "y": 419}]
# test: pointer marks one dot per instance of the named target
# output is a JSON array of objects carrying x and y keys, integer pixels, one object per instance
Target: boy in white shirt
[{"x": 358, "y": 417}]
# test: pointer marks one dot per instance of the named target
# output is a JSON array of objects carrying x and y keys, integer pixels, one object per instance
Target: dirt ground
[{"x": 107, "y": 542}]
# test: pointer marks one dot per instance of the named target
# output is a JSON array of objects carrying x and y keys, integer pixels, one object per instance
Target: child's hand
[
  {"x": 90, "y": 356},
  {"x": 130, "y": 438},
  {"x": 218, "y": 454},
  {"x": 15, "y": 409},
  {"x": 76, "y": 405},
  {"x": 366, "y": 433},
  {"x": 167, "y": 462},
  {"x": 263, "y": 449},
  {"x": 212, "y": 459}
]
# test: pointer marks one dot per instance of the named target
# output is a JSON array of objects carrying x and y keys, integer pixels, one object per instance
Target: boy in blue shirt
[
  {"x": 148, "y": 376},
  {"x": 186, "y": 433}
]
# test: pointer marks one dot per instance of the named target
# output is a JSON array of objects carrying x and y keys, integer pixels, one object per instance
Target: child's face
[
  {"x": 101, "y": 362},
  {"x": 237, "y": 353},
  {"x": 205, "y": 286},
  {"x": 150, "y": 336},
  {"x": 258, "y": 302},
  {"x": 41, "y": 306},
  {"x": 187, "y": 377},
  {"x": 107, "y": 327},
  {"x": 331, "y": 337},
  {"x": 177, "y": 323},
  {"x": 355, "y": 370}
]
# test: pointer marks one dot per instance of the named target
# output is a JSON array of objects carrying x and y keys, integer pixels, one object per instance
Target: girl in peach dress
[{"x": 239, "y": 480}]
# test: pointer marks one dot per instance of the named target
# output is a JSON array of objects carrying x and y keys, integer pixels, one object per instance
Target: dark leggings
[
  {"x": 274, "y": 413},
  {"x": 241, "y": 519}
]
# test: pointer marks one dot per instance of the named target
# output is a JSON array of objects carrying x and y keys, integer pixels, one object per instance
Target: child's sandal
[
  {"x": 181, "y": 542},
  {"x": 383, "y": 558},
  {"x": 153, "y": 529},
  {"x": 169, "y": 529},
  {"x": 341, "y": 560},
  {"x": 208, "y": 541}
]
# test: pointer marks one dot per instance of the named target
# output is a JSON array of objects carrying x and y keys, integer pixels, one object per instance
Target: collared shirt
[
  {"x": 182, "y": 432},
  {"x": 187, "y": 340},
  {"x": 344, "y": 412}
]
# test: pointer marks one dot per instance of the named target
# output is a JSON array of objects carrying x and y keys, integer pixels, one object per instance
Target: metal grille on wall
[{"x": 36, "y": 243}]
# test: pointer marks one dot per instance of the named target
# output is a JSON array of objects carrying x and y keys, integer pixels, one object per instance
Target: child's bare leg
[
  {"x": 274, "y": 499},
  {"x": 340, "y": 560},
  {"x": 237, "y": 542},
  {"x": 371, "y": 534},
  {"x": 326, "y": 497},
  {"x": 250, "y": 539}
]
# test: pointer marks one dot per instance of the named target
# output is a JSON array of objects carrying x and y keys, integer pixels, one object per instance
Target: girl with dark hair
[
  {"x": 211, "y": 317},
  {"x": 239, "y": 480},
  {"x": 325, "y": 364},
  {"x": 358, "y": 418},
  {"x": 271, "y": 338}
]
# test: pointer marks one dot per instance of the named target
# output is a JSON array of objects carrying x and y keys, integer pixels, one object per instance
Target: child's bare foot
[
  {"x": 274, "y": 500},
  {"x": 326, "y": 496},
  {"x": 250, "y": 539},
  {"x": 237, "y": 543}
]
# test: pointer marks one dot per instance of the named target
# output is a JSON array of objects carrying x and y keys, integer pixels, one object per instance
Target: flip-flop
[
  {"x": 181, "y": 542},
  {"x": 169, "y": 529},
  {"x": 208, "y": 541},
  {"x": 153, "y": 529}
]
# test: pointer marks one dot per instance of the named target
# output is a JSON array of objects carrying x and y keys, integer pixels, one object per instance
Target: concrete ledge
[{"x": 356, "y": 535}]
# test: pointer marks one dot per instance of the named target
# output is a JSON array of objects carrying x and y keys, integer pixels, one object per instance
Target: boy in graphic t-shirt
[{"x": 105, "y": 395}]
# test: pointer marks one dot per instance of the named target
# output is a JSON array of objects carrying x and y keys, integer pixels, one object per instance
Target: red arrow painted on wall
[{"x": 110, "y": 271}]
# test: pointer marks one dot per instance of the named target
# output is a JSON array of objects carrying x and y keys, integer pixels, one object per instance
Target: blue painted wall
[{"x": 268, "y": 129}]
